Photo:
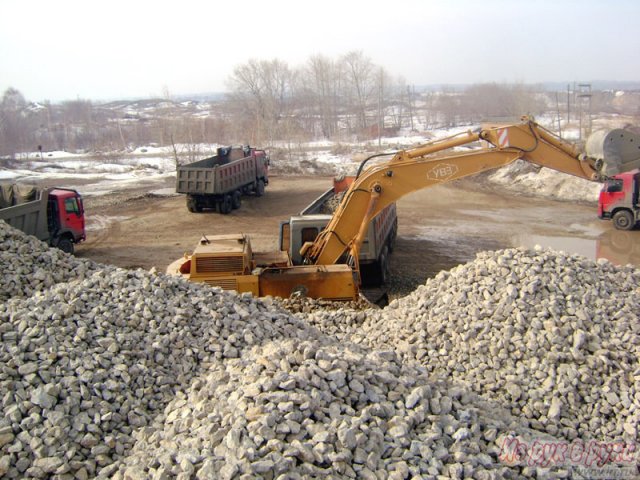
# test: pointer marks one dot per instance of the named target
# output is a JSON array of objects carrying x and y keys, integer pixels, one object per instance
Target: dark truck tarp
[{"x": 12, "y": 194}]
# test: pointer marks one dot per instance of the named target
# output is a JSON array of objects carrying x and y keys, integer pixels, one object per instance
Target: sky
[{"x": 103, "y": 50}]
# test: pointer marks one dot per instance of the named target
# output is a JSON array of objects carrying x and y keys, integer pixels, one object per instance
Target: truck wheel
[
  {"x": 65, "y": 245},
  {"x": 623, "y": 220},
  {"x": 236, "y": 201},
  {"x": 192, "y": 205},
  {"x": 259, "y": 188},
  {"x": 225, "y": 206}
]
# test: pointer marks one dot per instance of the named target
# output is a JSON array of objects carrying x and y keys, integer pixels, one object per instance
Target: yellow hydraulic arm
[{"x": 411, "y": 170}]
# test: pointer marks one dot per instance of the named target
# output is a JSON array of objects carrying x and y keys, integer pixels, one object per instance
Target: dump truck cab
[
  {"x": 53, "y": 215},
  {"x": 619, "y": 200},
  {"x": 65, "y": 214}
]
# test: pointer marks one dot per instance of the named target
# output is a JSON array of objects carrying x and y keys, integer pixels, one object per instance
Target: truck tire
[
  {"x": 225, "y": 205},
  {"x": 259, "y": 188},
  {"x": 236, "y": 201},
  {"x": 192, "y": 205},
  {"x": 66, "y": 245},
  {"x": 623, "y": 220}
]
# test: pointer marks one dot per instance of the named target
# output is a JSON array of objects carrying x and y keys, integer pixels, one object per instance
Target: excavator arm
[{"x": 436, "y": 163}]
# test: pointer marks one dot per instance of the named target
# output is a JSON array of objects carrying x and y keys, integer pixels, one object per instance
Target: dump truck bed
[
  {"x": 213, "y": 177},
  {"x": 30, "y": 217}
]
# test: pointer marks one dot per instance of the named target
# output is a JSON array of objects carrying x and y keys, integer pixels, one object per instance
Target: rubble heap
[
  {"x": 552, "y": 337},
  {"x": 111, "y": 373}
]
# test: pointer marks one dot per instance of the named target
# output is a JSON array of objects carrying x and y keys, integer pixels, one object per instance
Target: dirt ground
[
  {"x": 438, "y": 227},
  {"x": 137, "y": 229}
]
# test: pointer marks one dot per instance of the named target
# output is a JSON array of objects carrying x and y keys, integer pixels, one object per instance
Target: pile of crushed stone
[
  {"x": 552, "y": 337},
  {"x": 111, "y": 373}
]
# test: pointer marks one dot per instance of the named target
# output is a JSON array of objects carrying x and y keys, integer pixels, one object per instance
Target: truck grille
[
  {"x": 225, "y": 284},
  {"x": 219, "y": 265}
]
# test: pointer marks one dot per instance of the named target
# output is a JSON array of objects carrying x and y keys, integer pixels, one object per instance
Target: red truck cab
[
  {"x": 66, "y": 218},
  {"x": 619, "y": 200}
]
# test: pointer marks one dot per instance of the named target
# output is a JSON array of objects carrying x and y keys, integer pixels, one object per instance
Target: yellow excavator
[{"x": 330, "y": 268}]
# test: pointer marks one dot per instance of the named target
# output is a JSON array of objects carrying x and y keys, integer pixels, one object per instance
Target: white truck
[{"x": 377, "y": 245}]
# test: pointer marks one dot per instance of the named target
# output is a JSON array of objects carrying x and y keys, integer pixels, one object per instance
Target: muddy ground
[{"x": 438, "y": 227}]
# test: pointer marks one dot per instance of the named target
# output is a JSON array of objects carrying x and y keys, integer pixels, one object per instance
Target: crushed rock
[{"x": 111, "y": 373}]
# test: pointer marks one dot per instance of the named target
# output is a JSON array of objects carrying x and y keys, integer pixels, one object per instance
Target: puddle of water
[
  {"x": 581, "y": 246},
  {"x": 495, "y": 216},
  {"x": 619, "y": 247}
]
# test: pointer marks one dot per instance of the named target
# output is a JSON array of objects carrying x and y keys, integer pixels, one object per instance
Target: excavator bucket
[{"x": 619, "y": 149}]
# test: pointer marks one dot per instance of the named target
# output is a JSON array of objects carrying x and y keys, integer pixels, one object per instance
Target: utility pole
[
  {"x": 568, "y": 103},
  {"x": 584, "y": 95},
  {"x": 410, "y": 101},
  {"x": 380, "y": 118},
  {"x": 558, "y": 113}
]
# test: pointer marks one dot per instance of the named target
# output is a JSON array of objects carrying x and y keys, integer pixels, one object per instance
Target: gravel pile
[
  {"x": 304, "y": 305},
  {"x": 332, "y": 204},
  {"x": 87, "y": 362},
  {"x": 111, "y": 373},
  {"x": 30, "y": 266},
  {"x": 293, "y": 409},
  {"x": 553, "y": 338}
]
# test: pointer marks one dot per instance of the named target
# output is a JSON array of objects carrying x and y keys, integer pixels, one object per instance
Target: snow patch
[
  {"x": 149, "y": 166},
  {"x": 521, "y": 177}
]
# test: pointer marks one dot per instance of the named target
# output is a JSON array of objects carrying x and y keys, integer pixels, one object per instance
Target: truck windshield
[
  {"x": 613, "y": 186},
  {"x": 71, "y": 206}
]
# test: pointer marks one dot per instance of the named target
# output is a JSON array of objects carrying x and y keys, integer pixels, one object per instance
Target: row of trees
[
  {"x": 352, "y": 96},
  {"x": 334, "y": 98},
  {"x": 325, "y": 97}
]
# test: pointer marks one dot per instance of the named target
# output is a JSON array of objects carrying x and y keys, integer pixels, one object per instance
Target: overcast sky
[{"x": 67, "y": 49}]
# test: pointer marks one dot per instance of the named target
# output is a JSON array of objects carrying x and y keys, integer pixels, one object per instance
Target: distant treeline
[{"x": 343, "y": 99}]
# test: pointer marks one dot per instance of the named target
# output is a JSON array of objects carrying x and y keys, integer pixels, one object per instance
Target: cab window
[
  {"x": 71, "y": 206},
  {"x": 613, "y": 186},
  {"x": 308, "y": 234}
]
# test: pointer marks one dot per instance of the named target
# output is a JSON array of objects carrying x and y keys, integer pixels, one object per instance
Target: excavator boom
[
  {"x": 425, "y": 166},
  {"x": 331, "y": 268}
]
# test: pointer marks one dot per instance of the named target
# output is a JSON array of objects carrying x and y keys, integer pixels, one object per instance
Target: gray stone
[{"x": 40, "y": 397}]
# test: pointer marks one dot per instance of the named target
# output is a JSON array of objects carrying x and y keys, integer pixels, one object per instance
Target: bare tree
[
  {"x": 13, "y": 122},
  {"x": 385, "y": 87},
  {"x": 360, "y": 74},
  {"x": 263, "y": 89},
  {"x": 325, "y": 84},
  {"x": 270, "y": 101},
  {"x": 499, "y": 101},
  {"x": 448, "y": 105}
]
